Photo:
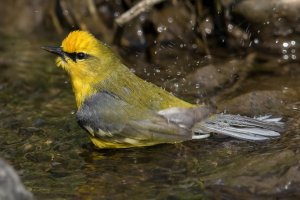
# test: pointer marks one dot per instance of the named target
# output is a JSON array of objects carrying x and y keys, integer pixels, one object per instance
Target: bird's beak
[{"x": 54, "y": 50}]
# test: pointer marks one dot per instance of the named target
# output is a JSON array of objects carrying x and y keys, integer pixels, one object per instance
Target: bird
[{"x": 118, "y": 109}]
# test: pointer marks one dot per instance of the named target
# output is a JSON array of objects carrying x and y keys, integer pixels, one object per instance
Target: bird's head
[
  {"x": 86, "y": 59},
  {"x": 81, "y": 54}
]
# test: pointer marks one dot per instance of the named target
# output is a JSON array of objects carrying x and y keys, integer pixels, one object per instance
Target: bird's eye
[{"x": 81, "y": 56}]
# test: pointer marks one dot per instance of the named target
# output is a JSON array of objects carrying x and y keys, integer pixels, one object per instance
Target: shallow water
[{"x": 40, "y": 138}]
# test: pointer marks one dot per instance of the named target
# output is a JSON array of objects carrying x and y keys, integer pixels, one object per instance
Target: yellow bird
[{"x": 120, "y": 110}]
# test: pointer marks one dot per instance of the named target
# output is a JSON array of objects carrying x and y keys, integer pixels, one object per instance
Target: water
[{"x": 40, "y": 138}]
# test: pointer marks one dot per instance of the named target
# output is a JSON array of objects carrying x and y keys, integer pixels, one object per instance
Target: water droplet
[
  {"x": 170, "y": 20},
  {"x": 132, "y": 70},
  {"x": 139, "y": 32},
  {"x": 230, "y": 27},
  {"x": 285, "y": 57},
  {"x": 161, "y": 28},
  {"x": 116, "y": 14},
  {"x": 207, "y": 30},
  {"x": 250, "y": 44},
  {"x": 285, "y": 44},
  {"x": 287, "y": 186},
  {"x": 293, "y": 42},
  {"x": 66, "y": 12},
  {"x": 142, "y": 18}
]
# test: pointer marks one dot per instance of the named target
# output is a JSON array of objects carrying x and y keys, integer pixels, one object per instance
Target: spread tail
[{"x": 241, "y": 127}]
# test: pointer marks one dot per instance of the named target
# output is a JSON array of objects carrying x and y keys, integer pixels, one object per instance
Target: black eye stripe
[
  {"x": 77, "y": 56},
  {"x": 72, "y": 56}
]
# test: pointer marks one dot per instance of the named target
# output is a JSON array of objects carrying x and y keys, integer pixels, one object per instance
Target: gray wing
[{"x": 110, "y": 118}]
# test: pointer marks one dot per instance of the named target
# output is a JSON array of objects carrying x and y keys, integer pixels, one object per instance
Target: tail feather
[{"x": 241, "y": 127}]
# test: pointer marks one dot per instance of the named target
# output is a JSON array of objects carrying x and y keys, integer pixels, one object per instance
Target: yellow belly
[{"x": 126, "y": 144}]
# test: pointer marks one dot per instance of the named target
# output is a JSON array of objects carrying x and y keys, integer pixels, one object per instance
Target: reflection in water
[{"x": 40, "y": 137}]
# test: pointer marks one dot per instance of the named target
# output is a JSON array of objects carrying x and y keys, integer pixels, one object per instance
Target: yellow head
[
  {"x": 87, "y": 61},
  {"x": 77, "y": 47}
]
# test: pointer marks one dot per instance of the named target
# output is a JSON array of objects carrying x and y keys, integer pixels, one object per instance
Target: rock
[
  {"x": 258, "y": 103},
  {"x": 262, "y": 11},
  {"x": 11, "y": 187},
  {"x": 274, "y": 25},
  {"x": 213, "y": 78}
]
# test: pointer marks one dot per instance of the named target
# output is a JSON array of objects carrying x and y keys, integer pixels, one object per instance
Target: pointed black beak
[{"x": 54, "y": 50}]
